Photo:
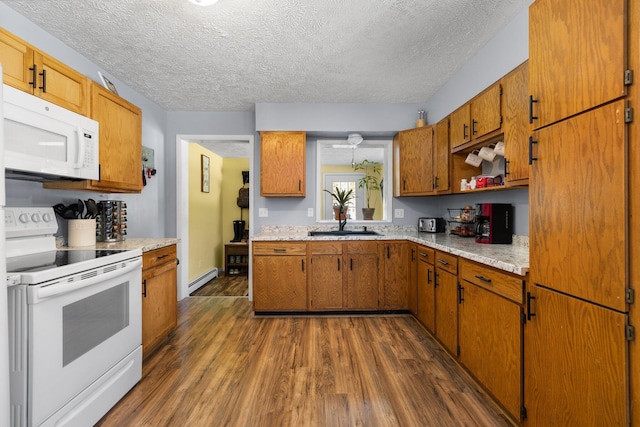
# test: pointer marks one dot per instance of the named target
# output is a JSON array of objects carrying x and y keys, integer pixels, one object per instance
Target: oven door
[{"x": 78, "y": 331}]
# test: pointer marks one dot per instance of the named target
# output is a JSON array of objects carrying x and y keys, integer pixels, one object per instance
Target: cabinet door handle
[
  {"x": 299, "y": 185},
  {"x": 435, "y": 182},
  {"x": 404, "y": 184},
  {"x": 302, "y": 265},
  {"x": 473, "y": 127},
  {"x": 484, "y": 279},
  {"x": 388, "y": 252},
  {"x": 351, "y": 264},
  {"x": 413, "y": 254},
  {"x": 460, "y": 293},
  {"x": 429, "y": 276},
  {"x": 44, "y": 81},
  {"x": 144, "y": 288},
  {"x": 530, "y": 314},
  {"x": 531, "y": 116},
  {"x": 338, "y": 264},
  {"x": 506, "y": 164},
  {"x": 464, "y": 131},
  {"x": 34, "y": 74},
  {"x": 435, "y": 279},
  {"x": 531, "y": 142},
  {"x": 441, "y": 261}
]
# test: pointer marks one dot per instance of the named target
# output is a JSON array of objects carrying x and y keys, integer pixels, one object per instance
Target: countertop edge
[{"x": 143, "y": 244}]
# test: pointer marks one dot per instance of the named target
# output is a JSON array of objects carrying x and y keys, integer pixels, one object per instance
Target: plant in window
[
  {"x": 341, "y": 200},
  {"x": 370, "y": 182}
]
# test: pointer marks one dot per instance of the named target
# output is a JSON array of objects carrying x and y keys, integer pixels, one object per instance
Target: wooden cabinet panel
[
  {"x": 576, "y": 363},
  {"x": 34, "y": 72},
  {"x": 578, "y": 192},
  {"x": 491, "y": 344},
  {"x": 460, "y": 126},
  {"x": 325, "y": 282},
  {"x": 412, "y": 290},
  {"x": 279, "y": 283},
  {"x": 447, "y": 309},
  {"x": 159, "y": 296},
  {"x": 283, "y": 164},
  {"x": 426, "y": 295},
  {"x": 486, "y": 110},
  {"x": 516, "y": 125},
  {"x": 412, "y": 162},
  {"x": 441, "y": 156},
  {"x": 567, "y": 77},
  {"x": 503, "y": 284},
  {"x": 362, "y": 280},
  {"x": 394, "y": 259}
]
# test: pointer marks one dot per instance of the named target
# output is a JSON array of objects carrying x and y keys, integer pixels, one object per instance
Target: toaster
[{"x": 431, "y": 225}]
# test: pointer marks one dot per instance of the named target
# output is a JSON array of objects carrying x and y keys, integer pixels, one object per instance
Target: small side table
[{"x": 236, "y": 259}]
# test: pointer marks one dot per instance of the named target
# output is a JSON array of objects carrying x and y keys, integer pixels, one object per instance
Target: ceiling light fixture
[
  {"x": 203, "y": 2},
  {"x": 354, "y": 138}
]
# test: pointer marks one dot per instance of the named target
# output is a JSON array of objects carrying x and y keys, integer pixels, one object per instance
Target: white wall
[{"x": 145, "y": 218}]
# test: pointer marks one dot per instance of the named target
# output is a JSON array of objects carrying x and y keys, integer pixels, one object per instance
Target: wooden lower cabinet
[
  {"x": 490, "y": 320},
  {"x": 361, "y": 275},
  {"x": 159, "y": 296},
  {"x": 576, "y": 367},
  {"x": 446, "y": 300},
  {"x": 325, "y": 276},
  {"x": 426, "y": 289},
  {"x": 412, "y": 290},
  {"x": 394, "y": 274},
  {"x": 279, "y": 276}
]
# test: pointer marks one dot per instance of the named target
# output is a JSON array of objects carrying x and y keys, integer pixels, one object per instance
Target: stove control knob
[
  {"x": 47, "y": 217},
  {"x": 36, "y": 218},
  {"x": 23, "y": 218}
]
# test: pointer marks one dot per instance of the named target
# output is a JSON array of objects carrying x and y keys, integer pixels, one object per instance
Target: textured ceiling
[{"x": 236, "y": 53}]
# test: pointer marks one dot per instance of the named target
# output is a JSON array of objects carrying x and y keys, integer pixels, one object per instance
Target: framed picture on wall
[{"x": 205, "y": 173}]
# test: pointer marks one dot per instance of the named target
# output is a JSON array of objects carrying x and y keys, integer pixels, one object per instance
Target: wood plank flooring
[
  {"x": 224, "y": 286},
  {"x": 222, "y": 366}
]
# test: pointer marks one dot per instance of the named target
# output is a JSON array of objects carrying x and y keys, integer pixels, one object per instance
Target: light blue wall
[{"x": 145, "y": 217}]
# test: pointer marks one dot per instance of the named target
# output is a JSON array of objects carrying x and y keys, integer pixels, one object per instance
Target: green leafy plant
[
  {"x": 341, "y": 197},
  {"x": 371, "y": 179}
]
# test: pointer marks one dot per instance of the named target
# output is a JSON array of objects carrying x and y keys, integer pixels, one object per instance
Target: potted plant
[
  {"x": 371, "y": 183},
  {"x": 341, "y": 200}
]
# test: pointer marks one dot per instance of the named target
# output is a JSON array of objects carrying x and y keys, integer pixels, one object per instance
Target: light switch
[
  {"x": 310, "y": 212},
  {"x": 263, "y": 212},
  {"x": 399, "y": 213}
]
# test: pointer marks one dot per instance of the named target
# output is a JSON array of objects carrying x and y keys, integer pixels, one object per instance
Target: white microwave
[{"x": 44, "y": 141}]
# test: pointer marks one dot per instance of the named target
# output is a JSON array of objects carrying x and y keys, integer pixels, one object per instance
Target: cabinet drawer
[
  {"x": 273, "y": 248},
  {"x": 427, "y": 255},
  {"x": 501, "y": 283},
  {"x": 330, "y": 248},
  {"x": 370, "y": 247},
  {"x": 157, "y": 257},
  {"x": 446, "y": 262}
]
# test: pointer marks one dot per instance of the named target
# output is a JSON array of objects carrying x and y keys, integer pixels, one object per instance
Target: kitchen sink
[{"x": 344, "y": 233}]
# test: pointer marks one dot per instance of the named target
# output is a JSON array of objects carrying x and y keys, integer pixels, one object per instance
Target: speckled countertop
[
  {"x": 513, "y": 258},
  {"x": 144, "y": 244}
]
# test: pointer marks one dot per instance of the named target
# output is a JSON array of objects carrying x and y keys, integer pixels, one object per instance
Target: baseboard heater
[{"x": 203, "y": 280}]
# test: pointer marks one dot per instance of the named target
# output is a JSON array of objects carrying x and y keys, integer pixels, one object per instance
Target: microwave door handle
[{"x": 80, "y": 149}]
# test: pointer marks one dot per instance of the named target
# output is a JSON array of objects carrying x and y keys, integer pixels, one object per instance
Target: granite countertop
[
  {"x": 512, "y": 258},
  {"x": 144, "y": 244}
]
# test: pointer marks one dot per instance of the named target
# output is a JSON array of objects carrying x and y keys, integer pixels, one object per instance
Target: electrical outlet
[
  {"x": 310, "y": 212},
  {"x": 263, "y": 212},
  {"x": 399, "y": 213}
]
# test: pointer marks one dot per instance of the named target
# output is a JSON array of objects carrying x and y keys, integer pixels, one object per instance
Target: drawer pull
[
  {"x": 441, "y": 261},
  {"x": 279, "y": 250},
  {"x": 422, "y": 254},
  {"x": 484, "y": 279},
  {"x": 161, "y": 257}
]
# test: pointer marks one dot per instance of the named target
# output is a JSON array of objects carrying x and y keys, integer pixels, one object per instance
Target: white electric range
[{"x": 75, "y": 324}]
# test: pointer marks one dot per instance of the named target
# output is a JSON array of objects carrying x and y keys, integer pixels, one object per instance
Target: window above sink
[{"x": 336, "y": 159}]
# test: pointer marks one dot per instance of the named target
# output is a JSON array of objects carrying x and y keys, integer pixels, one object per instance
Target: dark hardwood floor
[
  {"x": 224, "y": 286},
  {"x": 222, "y": 366}
]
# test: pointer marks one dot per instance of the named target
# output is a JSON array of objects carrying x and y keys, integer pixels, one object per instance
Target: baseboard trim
[{"x": 202, "y": 280}]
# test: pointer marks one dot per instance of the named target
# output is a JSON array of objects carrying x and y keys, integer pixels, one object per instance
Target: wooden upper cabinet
[
  {"x": 578, "y": 191},
  {"x": 486, "y": 111},
  {"x": 34, "y": 72},
  {"x": 120, "y": 145},
  {"x": 412, "y": 162},
  {"x": 460, "y": 126},
  {"x": 516, "y": 125},
  {"x": 283, "y": 164},
  {"x": 570, "y": 48},
  {"x": 441, "y": 156}
]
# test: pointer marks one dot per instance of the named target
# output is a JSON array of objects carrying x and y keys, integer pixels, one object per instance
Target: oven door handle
[{"x": 64, "y": 288}]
